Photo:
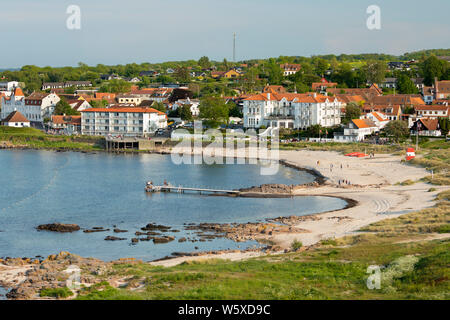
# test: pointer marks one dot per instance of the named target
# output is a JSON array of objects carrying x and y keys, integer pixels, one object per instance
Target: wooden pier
[{"x": 155, "y": 189}]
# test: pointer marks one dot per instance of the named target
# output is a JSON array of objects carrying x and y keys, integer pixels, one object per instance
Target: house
[
  {"x": 366, "y": 93},
  {"x": 65, "y": 124},
  {"x": 290, "y": 68},
  {"x": 432, "y": 111},
  {"x": 426, "y": 127},
  {"x": 192, "y": 103},
  {"x": 108, "y": 77},
  {"x": 274, "y": 89},
  {"x": 150, "y": 73},
  {"x": 389, "y": 83},
  {"x": 16, "y": 119},
  {"x": 67, "y": 84},
  {"x": 357, "y": 130},
  {"x": 46, "y": 102},
  {"x": 230, "y": 74},
  {"x": 394, "y": 65},
  {"x": 418, "y": 82},
  {"x": 323, "y": 85},
  {"x": 441, "y": 89},
  {"x": 404, "y": 100},
  {"x": 79, "y": 105},
  {"x": 130, "y": 98},
  {"x": 379, "y": 118},
  {"x": 170, "y": 71},
  {"x": 15, "y": 101},
  {"x": 8, "y": 86},
  {"x": 291, "y": 110},
  {"x": 128, "y": 121},
  {"x": 392, "y": 112}
]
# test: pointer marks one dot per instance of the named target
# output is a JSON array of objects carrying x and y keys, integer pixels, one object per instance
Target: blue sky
[{"x": 118, "y": 31}]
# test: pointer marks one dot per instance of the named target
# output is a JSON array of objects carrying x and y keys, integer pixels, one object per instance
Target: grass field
[{"x": 36, "y": 139}]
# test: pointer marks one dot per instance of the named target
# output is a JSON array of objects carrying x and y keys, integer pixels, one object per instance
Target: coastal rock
[
  {"x": 58, "y": 227},
  {"x": 119, "y": 231},
  {"x": 111, "y": 238}
]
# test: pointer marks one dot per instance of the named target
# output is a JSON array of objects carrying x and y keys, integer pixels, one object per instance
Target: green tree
[
  {"x": 182, "y": 74},
  {"x": 62, "y": 107},
  {"x": 116, "y": 86},
  {"x": 444, "y": 124},
  {"x": 406, "y": 85},
  {"x": 433, "y": 68},
  {"x": 204, "y": 62},
  {"x": 159, "y": 106},
  {"x": 397, "y": 129},
  {"x": 352, "y": 111},
  {"x": 375, "y": 71},
  {"x": 234, "y": 110},
  {"x": 214, "y": 110},
  {"x": 185, "y": 113}
]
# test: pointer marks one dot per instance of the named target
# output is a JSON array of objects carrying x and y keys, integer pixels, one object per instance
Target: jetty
[{"x": 180, "y": 189}]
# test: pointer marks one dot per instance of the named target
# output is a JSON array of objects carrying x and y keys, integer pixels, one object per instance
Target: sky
[{"x": 127, "y": 31}]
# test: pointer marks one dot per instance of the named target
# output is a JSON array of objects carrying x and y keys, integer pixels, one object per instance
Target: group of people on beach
[{"x": 344, "y": 182}]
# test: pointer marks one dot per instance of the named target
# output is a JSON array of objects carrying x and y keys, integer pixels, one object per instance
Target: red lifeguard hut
[{"x": 410, "y": 154}]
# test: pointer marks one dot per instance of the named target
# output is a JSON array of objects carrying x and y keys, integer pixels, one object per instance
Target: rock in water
[{"x": 59, "y": 227}]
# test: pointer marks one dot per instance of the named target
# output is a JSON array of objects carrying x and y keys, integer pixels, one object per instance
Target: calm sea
[{"x": 103, "y": 190}]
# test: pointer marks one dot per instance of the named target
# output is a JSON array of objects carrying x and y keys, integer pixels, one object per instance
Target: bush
[
  {"x": 296, "y": 245},
  {"x": 56, "y": 293}
]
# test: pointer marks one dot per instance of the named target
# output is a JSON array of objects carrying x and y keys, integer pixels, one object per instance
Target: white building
[
  {"x": 8, "y": 86},
  {"x": 379, "y": 118},
  {"x": 291, "y": 110},
  {"x": 16, "y": 102},
  {"x": 193, "y": 105},
  {"x": 45, "y": 102},
  {"x": 16, "y": 119},
  {"x": 356, "y": 131},
  {"x": 129, "y": 121}
]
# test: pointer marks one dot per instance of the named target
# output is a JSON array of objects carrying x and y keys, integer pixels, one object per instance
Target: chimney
[{"x": 268, "y": 95}]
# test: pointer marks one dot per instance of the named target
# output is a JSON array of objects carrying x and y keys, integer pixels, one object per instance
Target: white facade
[
  {"x": 122, "y": 121},
  {"x": 8, "y": 86},
  {"x": 290, "y": 110},
  {"x": 355, "y": 132},
  {"x": 194, "y": 105},
  {"x": 16, "y": 102}
]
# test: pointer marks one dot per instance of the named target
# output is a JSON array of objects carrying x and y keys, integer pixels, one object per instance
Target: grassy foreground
[
  {"x": 412, "y": 267},
  {"x": 36, "y": 139}
]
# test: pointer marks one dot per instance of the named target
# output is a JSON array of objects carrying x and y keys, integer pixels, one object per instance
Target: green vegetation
[
  {"x": 63, "y": 108},
  {"x": 36, "y": 139},
  {"x": 296, "y": 245},
  {"x": 56, "y": 293}
]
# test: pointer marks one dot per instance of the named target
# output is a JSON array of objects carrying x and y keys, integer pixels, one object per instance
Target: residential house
[
  {"x": 290, "y": 68},
  {"x": 8, "y": 86},
  {"x": 108, "y": 77},
  {"x": 432, "y": 111},
  {"x": 291, "y": 110},
  {"x": 404, "y": 100},
  {"x": 46, "y": 102},
  {"x": 323, "y": 85},
  {"x": 389, "y": 83},
  {"x": 192, "y": 103},
  {"x": 366, "y": 93},
  {"x": 65, "y": 124},
  {"x": 16, "y": 119},
  {"x": 130, "y": 121},
  {"x": 392, "y": 112},
  {"x": 129, "y": 98},
  {"x": 418, "y": 82},
  {"x": 274, "y": 89},
  {"x": 426, "y": 127},
  {"x": 379, "y": 118},
  {"x": 357, "y": 130},
  {"x": 67, "y": 84}
]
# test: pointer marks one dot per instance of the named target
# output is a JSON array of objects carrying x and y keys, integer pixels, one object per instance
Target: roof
[
  {"x": 443, "y": 86},
  {"x": 125, "y": 110},
  {"x": 430, "y": 124},
  {"x": 363, "y": 123},
  {"x": 66, "y": 120},
  {"x": 290, "y": 66},
  {"x": 37, "y": 96},
  {"x": 18, "y": 92},
  {"x": 274, "y": 89},
  {"x": 293, "y": 97},
  {"x": 437, "y": 107},
  {"x": 15, "y": 116},
  {"x": 399, "y": 99}
]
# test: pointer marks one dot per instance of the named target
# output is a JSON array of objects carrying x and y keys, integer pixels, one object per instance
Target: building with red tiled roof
[
  {"x": 16, "y": 119},
  {"x": 323, "y": 85},
  {"x": 357, "y": 130},
  {"x": 426, "y": 127},
  {"x": 122, "y": 121},
  {"x": 367, "y": 93},
  {"x": 65, "y": 124},
  {"x": 290, "y": 68},
  {"x": 291, "y": 110}
]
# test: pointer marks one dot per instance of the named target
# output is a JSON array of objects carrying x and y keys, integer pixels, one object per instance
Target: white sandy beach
[{"x": 376, "y": 192}]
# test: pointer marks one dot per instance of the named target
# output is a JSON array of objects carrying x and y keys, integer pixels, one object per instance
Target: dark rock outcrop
[{"x": 58, "y": 227}]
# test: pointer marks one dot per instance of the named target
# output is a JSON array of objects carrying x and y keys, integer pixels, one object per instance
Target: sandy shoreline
[{"x": 373, "y": 190}]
